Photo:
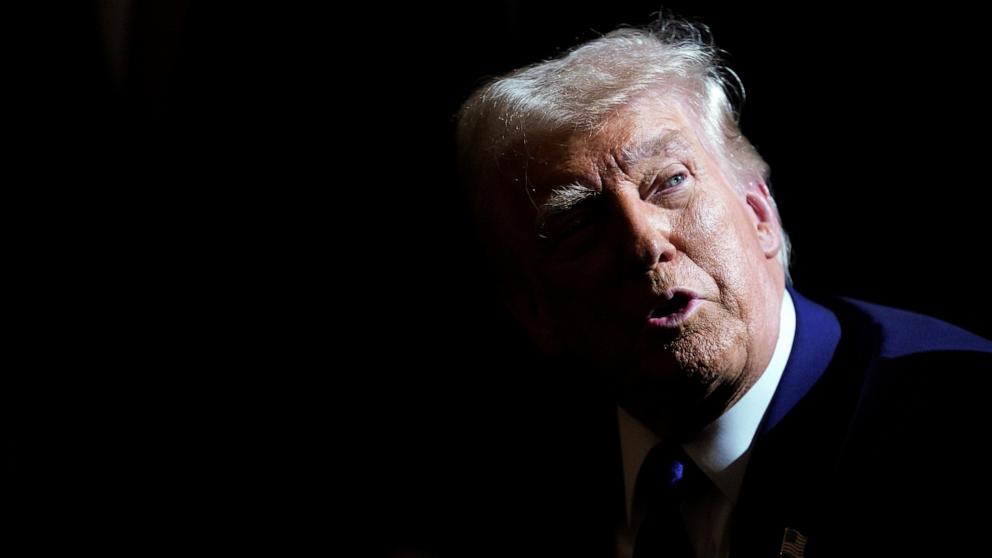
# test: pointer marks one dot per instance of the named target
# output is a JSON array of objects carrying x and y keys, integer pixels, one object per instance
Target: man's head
[{"x": 631, "y": 218}]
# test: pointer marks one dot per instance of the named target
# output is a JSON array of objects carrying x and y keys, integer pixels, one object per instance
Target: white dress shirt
[{"x": 721, "y": 451}]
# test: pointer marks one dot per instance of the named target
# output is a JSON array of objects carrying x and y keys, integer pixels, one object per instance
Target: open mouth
[{"x": 678, "y": 307}]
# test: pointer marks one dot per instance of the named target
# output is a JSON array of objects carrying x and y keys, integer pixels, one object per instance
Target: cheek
[
  {"x": 705, "y": 229},
  {"x": 705, "y": 219},
  {"x": 589, "y": 274},
  {"x": 715, "y": 239}
]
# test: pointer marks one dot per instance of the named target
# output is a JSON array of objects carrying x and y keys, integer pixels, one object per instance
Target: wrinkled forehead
[{"x": 637, "y": 131}]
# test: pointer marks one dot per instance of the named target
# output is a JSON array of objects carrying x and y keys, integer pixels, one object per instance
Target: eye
[
  {"x": 670, "y": 181},
  {"x": 571, "y": 234},
  {"x": 561, "y": 227},
  {"x": 676, "y": 179}
]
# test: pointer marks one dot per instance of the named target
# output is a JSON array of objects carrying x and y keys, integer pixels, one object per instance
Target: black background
[{"x": 250, "y": 287}]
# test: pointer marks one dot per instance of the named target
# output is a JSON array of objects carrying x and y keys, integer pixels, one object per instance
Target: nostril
[{"x": 666, "y": 252}]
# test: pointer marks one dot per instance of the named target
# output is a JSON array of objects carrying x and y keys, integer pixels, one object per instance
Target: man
[{"x": 636, "y": 234}]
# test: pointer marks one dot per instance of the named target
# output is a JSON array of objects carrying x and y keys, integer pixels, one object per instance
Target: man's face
[{"x": 650, "y": 261}]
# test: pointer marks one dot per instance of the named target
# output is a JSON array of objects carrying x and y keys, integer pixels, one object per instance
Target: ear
[
  {"x": 759, "y": 199},
  {"x": 529, "y": 310}
]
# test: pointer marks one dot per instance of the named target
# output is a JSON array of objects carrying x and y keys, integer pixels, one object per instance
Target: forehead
[
  {"x": 630, "y": 130},
  {"x": 640, "y": 130}
]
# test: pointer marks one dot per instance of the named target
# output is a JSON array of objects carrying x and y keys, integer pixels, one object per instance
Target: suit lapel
[
  {"x": 790, "y": 473},
  {"x": 817, "y": 336}
]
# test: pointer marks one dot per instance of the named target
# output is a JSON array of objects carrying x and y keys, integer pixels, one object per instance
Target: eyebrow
[
  {"x": 673, "y": 140},
  {"x": 565, "y": 198}
]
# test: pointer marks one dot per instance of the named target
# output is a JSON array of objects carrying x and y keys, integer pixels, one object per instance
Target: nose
[{"x": 644, "y": 235}]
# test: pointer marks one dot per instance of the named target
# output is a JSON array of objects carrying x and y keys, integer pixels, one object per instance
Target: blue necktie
[{"x": 658, "y": 492}]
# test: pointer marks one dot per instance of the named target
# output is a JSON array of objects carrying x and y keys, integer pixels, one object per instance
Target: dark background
[{"x": 251, "y": 290}]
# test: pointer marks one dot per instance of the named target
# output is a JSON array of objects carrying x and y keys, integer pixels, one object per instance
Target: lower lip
[{"x": 675, "y": 320}]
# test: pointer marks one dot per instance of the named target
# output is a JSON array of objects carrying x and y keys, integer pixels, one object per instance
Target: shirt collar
[{"x": 720, "y": 449}]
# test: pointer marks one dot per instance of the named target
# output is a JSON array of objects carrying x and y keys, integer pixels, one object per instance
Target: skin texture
[{"x": 654, "y": 216}]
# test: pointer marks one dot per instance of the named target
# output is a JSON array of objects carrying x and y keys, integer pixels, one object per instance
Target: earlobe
[{"x": 766, "y": 225}]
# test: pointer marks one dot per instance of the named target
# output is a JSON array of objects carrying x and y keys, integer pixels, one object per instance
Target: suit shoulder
[{"x": 904, "y": 333}]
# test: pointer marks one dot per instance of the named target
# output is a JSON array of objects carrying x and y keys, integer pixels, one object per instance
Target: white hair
[{"x": 580, "y": 90}]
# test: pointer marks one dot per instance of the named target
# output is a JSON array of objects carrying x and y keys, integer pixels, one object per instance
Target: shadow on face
[{"x": 649, "y": 259}]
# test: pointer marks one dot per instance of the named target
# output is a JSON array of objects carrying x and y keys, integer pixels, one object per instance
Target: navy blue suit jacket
[
  {"x": 872, "y": 442},
  {"x": 871, "y": 445}
]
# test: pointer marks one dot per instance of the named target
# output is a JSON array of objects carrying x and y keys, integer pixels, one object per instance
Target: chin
[{"x": 699, "y": 361}]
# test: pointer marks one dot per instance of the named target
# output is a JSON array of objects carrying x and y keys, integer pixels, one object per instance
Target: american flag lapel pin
[{"x": 793, "y": 544}]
